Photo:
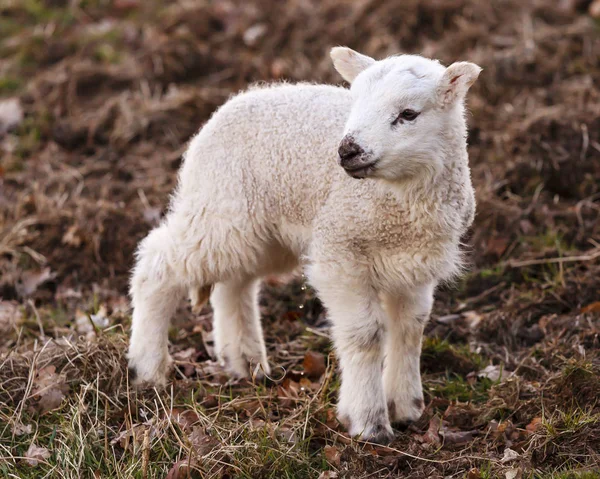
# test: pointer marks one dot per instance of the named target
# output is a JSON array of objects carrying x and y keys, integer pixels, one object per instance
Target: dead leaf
[
  {"x": 134, "y": 435},
  {"x": 36, "y": 454},
  {"x": 72, "y": 237},
  {"x": 19, "y": 429},
  {"x": 186, "y": 360},
  {"x": 29, "y": 281},
  {"x": 152, "y": 215},
  {"x": 474, "y": 474},
  {"x": 513, "y": 473},
  {"x": 50, "y": 388},
  {"x": 201, "y": 442},
  {"x": 333, "y": 455},
  {"x": 10, "y": 315},
  {"x": 591, "y": 308},
  {"x": 185, "y": 419},
  {"x": 254, "y": 33},
  {"x": 180, "y": 470},
  {"x": 287, "y": 392},
  {"x": 314, "y": 364},
  {"x": 287, "y": 434},
  {"x": 458, "y": 437},
  {"x": 432, "y": 435},
  {"x": 11, "y": 114},
  {"x": 493, "y": 372},
  {"x": 497, "y": 246},
  {"x": 533, "y": 426},
  {"x": 594, "y": 9},
  {"x": 509, "y": 455},
  {"x": 472, "y": 319},
  {"x": 328, "y": 475},
  {"x": 332, "y": 421},
  {"x": 126, "y": 5}
]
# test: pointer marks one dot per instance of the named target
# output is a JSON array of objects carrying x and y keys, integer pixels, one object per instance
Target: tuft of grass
[
  {"x": 9, "y": 85},
  {"x": 439, "y": 355},
  {"x": 456, "y": 388}
]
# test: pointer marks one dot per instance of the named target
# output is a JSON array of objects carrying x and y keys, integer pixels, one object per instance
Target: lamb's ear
[
  {"x": 456, "y": 81},
  {"x": 349, "y": 63}
]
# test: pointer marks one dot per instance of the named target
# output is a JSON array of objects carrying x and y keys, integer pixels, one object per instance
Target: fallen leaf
[
  {"x": 72, "y": 237},
  {"x": 287, "y": 435},
  {"x": 513, "y": 473},
  {"x": 533, "y": 426},
  {"x": 10, "y": 315},
  {"x": 591, "y": 308},
  {"x": 87, "y": 323},
  {"x": 11, "y": 114},
  {"x": 180, "y": 470},
  {"x": 287, "y": 392},
  {"x": 201, "y": 442},
  {"x": 36, "y": 454},
  {"x": 186, "y": 360},
  {"x": 314, "y": 364},
  {"x": 19, "y": 429},
  {"x": 254, "y": 33},
  {"x": 497, "y": 246},
  {"x": 134, "y": 434},
  {"x": 473, "y": 474},
  {"x": 493, "y": 372},
  {"x": 31, "y": 280},
  {"x": 509, "y": 455},
  {"x": 594, "y": 9},
  {"x": 448, "y": 318},
  {"x": 432, "y": 435},
  {"x": 185, "y": 419},
  {"x": 125, "y": 5},
  {"x": 333, "y": 455},
  {"x": 152, "y": 215},
  {"x": 458, "y": 437},
  {"x": 472, "y": 319},
  {"x": 328, "y": 475},
  {"x": 50, "y": 388}
]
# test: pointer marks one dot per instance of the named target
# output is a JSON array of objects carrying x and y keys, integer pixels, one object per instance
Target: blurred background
[{"x": 97, "y": 101}]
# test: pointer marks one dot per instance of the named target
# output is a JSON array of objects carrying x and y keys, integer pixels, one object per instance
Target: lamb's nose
[{"x": 348, "y": 150}]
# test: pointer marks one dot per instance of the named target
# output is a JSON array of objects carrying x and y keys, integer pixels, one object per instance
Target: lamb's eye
[{"x": 408, "y": 115}]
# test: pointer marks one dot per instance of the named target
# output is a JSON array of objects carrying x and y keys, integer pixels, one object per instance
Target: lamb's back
[{"x": 274, "y": 148}]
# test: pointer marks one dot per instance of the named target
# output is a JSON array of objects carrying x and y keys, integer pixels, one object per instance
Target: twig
[{"x": 592, "y": 255}]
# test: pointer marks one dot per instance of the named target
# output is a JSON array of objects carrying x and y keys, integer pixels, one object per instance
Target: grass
[{"x": 221, "y": 428}]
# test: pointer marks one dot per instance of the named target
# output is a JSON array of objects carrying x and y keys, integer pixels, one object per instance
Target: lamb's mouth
[{"x": 361, "y": 171}]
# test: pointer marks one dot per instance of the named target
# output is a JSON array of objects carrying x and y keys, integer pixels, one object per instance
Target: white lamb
[{"x": 266, "y": 184}]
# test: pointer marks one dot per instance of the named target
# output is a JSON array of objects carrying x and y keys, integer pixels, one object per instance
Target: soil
[{"x": 111, "y": 91}]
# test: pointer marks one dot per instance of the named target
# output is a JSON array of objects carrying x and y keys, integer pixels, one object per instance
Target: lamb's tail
[{"x": 199, "y": 297}]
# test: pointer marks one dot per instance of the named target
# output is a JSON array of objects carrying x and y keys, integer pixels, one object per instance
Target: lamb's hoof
[
  {"x": 379, "y": 434},
  {"x": 240, "y": 367},
  {"x": 141, "y": 376},
  {"x": 403, "y": 414}
]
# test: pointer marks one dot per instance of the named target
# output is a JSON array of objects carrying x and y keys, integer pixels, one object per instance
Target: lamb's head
[{"x": 405, "y": 110}]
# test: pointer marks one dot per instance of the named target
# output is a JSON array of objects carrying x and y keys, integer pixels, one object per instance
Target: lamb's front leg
[
  {"x": 358, "y": 328},
  {"x": 408, "y": 314}
]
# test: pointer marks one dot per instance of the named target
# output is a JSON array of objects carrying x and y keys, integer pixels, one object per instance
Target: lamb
[{"x": 260, "y": 192}]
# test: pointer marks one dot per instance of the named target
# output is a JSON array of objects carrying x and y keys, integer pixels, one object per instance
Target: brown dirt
[{"x": 112, "y": 91}]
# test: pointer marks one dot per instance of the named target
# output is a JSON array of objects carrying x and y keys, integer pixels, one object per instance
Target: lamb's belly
[
  {"x": 295, "y": 237},
  {"x": 407, "y": 269}
]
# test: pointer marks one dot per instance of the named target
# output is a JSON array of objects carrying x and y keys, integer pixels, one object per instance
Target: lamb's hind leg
[
  {"x": 238, "y": 334},
  {"x": 408, "y": 314},
  {"x": 155, "y": 292}
]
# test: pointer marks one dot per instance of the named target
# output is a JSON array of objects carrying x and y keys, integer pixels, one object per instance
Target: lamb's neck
[{"x": 438, "y": 185}]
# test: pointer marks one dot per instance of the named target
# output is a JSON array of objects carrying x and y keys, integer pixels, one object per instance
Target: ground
[{"x": 97, "y": 101}]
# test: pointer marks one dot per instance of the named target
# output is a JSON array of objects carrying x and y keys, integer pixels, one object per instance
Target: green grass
[
  {"x": 456, "y": 388},
  {"x": 9, "y": 85}
]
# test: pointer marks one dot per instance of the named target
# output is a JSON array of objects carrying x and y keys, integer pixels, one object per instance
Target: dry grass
[{"x": 112, "y": 90}]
